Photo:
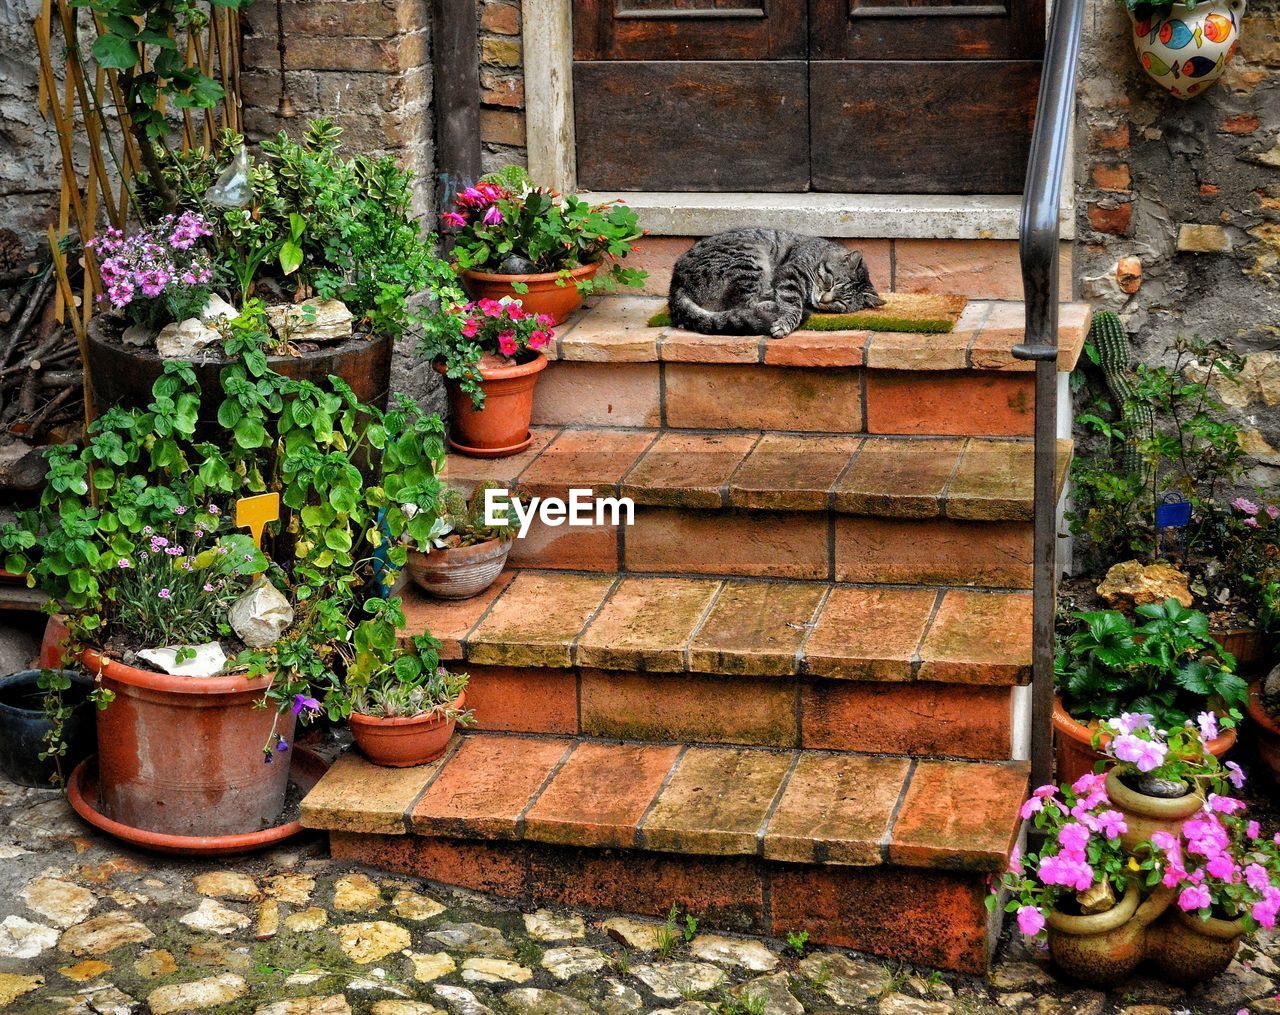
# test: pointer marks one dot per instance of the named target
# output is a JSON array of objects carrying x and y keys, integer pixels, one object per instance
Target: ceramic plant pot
[
  {"x": 501, "y": 428},
  {"x": 1105, "y": 948},
  {"x": 1144, "y": 815},
  {"x": 1266, "y": 731},
  {"x": 550, "y": 293},
  {"x": 23, "y": 728},
  {"x": 1189, "y": 950},
  {"x": 183, "y": 755},
  {"x": 1075, "y": 755},
  {"x": 404, "y": 742},
  {"x": 459, "y": 573},
  {"x": 1185, "y": 50},
  {"x": 1247, "y": 644}
]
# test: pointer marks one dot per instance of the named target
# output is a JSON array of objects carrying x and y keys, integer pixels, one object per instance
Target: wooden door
[
  {"x": 853, "y": 96},
  {"x": 691, "y": 95},
  {"x": 923, "y": 96}
]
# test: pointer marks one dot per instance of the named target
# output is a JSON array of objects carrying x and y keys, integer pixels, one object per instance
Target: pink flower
[
  {"x": 1112, "y": 824},
  {"x": 1257, "y": 878},
  {"x": 1144, "y": 755},
  {"x": 1194, "y": 897},
  {"x": 1015, "y": 860},
  {"x": 164, "y": 593},
  {"x": 493, "y": 217},
  {"x": 1208, "y": 723},
  {"x": 452, "y": 218},
  {"x": 208, "y": 587},
  {"x": 1034, "y": 805},
  {"x": 1073, "y": 837},
  {"x": 507, "y": 343},
  {"x": 1130, "y": 722},
  {"x": 1235, "y": 774},
  {"x": 1253, "y": 830},
  {"x": 1251, "y": 523},
  {"x": 124, "y": 563},
  {"x": 1030, "y": 920},
  {"x": 1272, "y": 511},
  {"x": 1067, "y": 871},
  {"x": 1089, "y": 784},
  {"x": 470, "y": 327},
  {"x": 1244, "y": 506},
  {"x": 1225, "y": 804}
]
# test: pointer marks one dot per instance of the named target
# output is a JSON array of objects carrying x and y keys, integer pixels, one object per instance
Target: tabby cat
[{"x": 765, "y": 282}]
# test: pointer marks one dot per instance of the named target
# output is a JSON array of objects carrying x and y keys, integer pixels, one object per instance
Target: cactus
[
  {"x": 453, "y": 510},
  {"x": 1111, "y": 341},
  {"x": 514, "y": 178}
]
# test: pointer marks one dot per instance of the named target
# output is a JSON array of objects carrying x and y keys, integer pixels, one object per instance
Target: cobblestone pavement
[{"x": 87, "y": 927}]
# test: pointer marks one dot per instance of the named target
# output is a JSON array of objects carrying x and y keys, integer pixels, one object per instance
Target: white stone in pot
[
  {"x": 261, "y": 615},
  {"x": 207, "y": 661},
  {"x": 313, "y": 320},
  {"x": 185, "y": 339},
  {"x": 217, "y": 308}
]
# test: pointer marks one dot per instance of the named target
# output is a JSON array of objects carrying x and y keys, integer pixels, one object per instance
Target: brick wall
[
  {"x": 1179, "y": 207},
  {"x": 501, "y": 84},
  {"x": 366, "y": 64}
]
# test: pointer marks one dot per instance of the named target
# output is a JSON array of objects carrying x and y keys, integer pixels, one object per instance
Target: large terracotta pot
[
  {"x": 1247, "y": 644},
  {"x": 458, "y": 573},
  {"x": 1189, "y": 950},
  {"x": 1074, "y": 745},
  {"x": 552, "y": 293},
  {"x": 1104, "y": 949},
  {"x": 404, "y": 742},
  {"x": 1266, "y": 731},
  {"x": 122, "y": 374},
  {"x": 1145, "y": 815},
  {"x": 1185, "y": 50},
  {"x": 183, "y": 755},
  {"x": 501, "y": 428}
]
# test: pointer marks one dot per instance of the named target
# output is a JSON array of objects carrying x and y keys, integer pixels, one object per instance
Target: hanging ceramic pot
[{"x": 1185, "y": 47}]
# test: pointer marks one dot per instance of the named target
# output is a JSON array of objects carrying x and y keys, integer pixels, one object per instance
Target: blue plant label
[{"x": 1174, "y": 514}]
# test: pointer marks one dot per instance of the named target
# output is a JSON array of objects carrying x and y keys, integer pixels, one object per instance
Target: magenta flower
[
  {"x": 1144, "y": 755},
  {"x": 1253, "y": 830},
  {"x": 1244, "y": 506},
  {"x": 1073, "y": 837},
  {"x": 1194, "y": 897},
  {"x": 1030, "y": 920},
  {"x": 493, "y": 217},
  {"x": 124, "y": 563},
  {"x": 1112, "y": 824},
  {"x": 164, "y": 593},
  {"x": 452, "y": 218}
]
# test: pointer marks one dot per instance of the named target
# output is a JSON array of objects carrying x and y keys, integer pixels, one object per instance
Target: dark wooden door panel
[
  {"x": 907, "y": 127},
  {"x": 926, "y": 29},
  {"x": 690, "y": 29},
  {"x": 692, "y": 126}
]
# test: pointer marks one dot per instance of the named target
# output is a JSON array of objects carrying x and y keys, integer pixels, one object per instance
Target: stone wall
[{"x": 1179, "y": 207}]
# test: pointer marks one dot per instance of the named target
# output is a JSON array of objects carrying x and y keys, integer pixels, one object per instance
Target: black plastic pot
[{"x": 23, "y": 727}]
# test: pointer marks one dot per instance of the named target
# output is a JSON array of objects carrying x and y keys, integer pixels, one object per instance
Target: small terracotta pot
[
  {"x": 552, "y": 293},
  {"x": 1145, "y": 815},
  {"x": 1104, "y": 949},
  {"x": 404, "y": 742},
  {"x": 183, "y": 755},
  {"x": 1188, "y": 950},
  {"x": 458, "y": 573},
  {"x": 501, "y": 428},
  {"x": 1074, "y": 745},
  {"x": 1266, "y": 731},
  {"x": 1247, "y": 644},
  {"x": 51, "y": 645}
]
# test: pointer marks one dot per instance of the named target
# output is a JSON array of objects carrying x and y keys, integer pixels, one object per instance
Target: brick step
[
  {"x": 885, "y": 855},
  {"x": 614, "y": 370},
  {"x": 957, "y": 478}
]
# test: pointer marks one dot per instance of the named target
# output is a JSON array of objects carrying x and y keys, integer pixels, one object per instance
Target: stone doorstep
[
  {"x": 615, "y": 330},
  {"x": 806, "y": 807},
  {"x": 970, "y": 479},
  {"x": 735, "y": 627}
]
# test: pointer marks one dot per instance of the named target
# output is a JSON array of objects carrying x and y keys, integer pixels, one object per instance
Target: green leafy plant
[
  {"x": 506, "y": 225},
  {"x": 1186, "y": 446},
  {"x": 798, "y": 942},
  {"x": 500, "y": 331},
  {"x": 1167, "y": 666}
]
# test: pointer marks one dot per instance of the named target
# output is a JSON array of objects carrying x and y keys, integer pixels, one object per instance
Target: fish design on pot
[{"x": 1186, "y": 48}]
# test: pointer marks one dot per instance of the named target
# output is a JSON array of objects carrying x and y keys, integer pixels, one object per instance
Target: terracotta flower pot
[
  {"x": 461, "y": 572},
  {"x": 1105, "y": 948},
  {"x": 1247, "y": 644},
  {"x": 549, "y": 293},
  {"x": 1074, "y": 745},
  {"x": 183, "y": 755},
  {"x": 404, "y": 742},
  {"x": 1144, "y": 815},
  {"x": 501, "y": 428},
  {"x": 1266, "y": 731},
  {"x": 1188, "y": 950}
]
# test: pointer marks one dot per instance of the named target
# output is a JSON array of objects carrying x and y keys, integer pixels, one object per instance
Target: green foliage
[
  {"x": 461, "y": 522},
  {"x": 798, "y": 942},
  {"x": 1185, "y": 445},
  {"x": 1166, "y": 665}
]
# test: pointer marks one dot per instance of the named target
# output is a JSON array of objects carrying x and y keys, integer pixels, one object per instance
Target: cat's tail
[{"x": 687, "y": 314}]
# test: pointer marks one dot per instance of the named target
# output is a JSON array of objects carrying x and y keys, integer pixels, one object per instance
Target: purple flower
[
  {"x": 208, "y": 587},
  {"x": 124, "y": 563},
  {"x": 180, "y": 510},
  {"x": 213, "y": 510},
  {"x": 164, "y": 593},
  {"x": 1208, "y": 723},
  {"x": 302, "y": 701},
  {"x": 493, "y": 217},
  {"x": 1235, "y": 774},
  {"x": 1244, "y": 506},
  {"x": 1144, "y": 755},
  {"x": 282, "y": 745}
]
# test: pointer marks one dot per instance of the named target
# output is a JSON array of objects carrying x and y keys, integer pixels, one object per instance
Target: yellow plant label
[{"x": 253, "y": 513}]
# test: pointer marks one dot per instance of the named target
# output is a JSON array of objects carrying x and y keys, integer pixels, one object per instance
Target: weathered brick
[
  {"x": 1111, "y": 139},
  {"x": 502, "y": 90},
  {"x": 1110, "y": 218},
  {"x": 1112, "y": 178},
  {"x": 501, "y": 18},
  {"x": 502, "y": 126},
  {"x": 500, "y": 52},
  {"x": 1244, "y": 123}
]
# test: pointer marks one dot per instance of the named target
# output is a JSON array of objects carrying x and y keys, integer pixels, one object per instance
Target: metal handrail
[{"x": 1038, "y": 249}]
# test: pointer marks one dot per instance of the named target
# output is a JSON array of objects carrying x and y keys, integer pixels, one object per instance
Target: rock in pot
[{"x": 261, "y": 615}]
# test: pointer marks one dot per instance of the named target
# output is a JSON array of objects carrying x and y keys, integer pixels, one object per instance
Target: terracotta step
[
  {"x": 879, "y": 854},
  {"x": 963, "y": 479},
  {"x": 613, "y": 370}
]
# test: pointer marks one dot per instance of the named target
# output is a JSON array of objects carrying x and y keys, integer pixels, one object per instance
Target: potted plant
[
  {"x": 1167, "y": 666},
  {"x": 1082, "y": 890},
  {"x": 324, "y": 240},
  {"x": 404, "y": 704},
  {"x": 463, "y": 554},
  {"x": 546, "y": 250},
  {"x": 1185, "y": 47},
  {"x": 36, "y": 746},
  {"x": 1264, "y": 708},
  {"x": 489, "y": 353},
  {"x": 1242, "y": 580}
]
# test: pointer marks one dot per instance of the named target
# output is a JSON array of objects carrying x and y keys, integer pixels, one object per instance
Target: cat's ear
[{"x": 853, "y": 259}]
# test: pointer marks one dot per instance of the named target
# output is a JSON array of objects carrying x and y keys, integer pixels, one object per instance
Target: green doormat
[{"x": 916, "y": 313}]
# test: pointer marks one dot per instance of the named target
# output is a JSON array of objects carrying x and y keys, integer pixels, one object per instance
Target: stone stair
[{"x": 793, "y": 694}]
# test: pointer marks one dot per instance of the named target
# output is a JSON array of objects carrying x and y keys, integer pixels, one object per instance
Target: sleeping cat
[{"x": 765, "y": 282}]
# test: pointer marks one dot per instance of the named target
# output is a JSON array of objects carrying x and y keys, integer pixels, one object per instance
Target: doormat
[{"x": 916, "y": 313}]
